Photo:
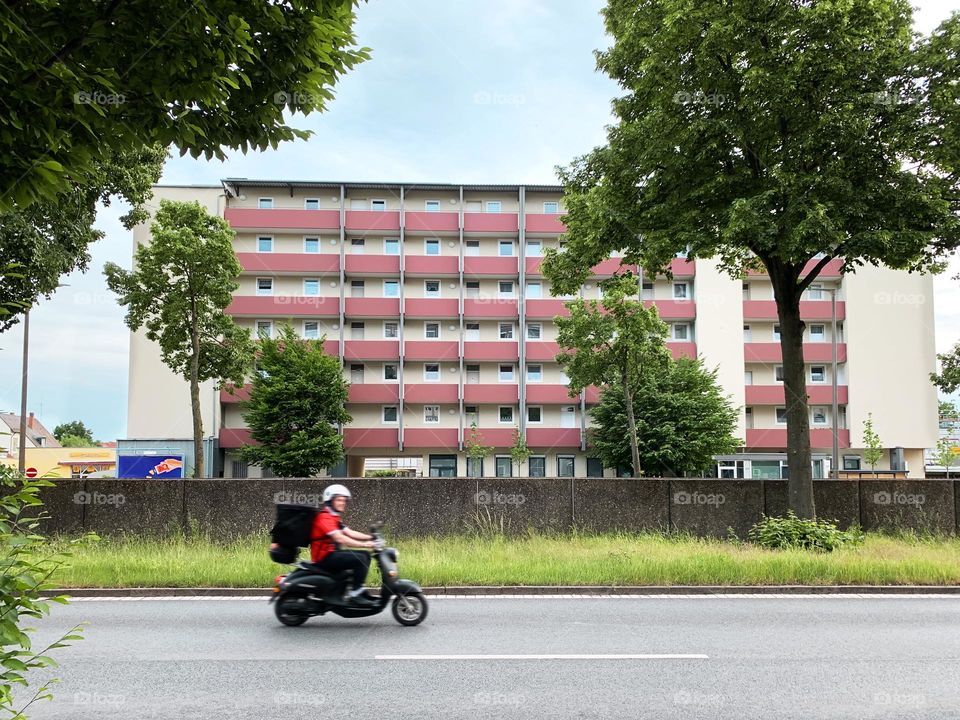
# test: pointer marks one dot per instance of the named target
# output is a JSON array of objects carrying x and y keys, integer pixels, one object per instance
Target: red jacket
[{"x": 324, "y": 525}]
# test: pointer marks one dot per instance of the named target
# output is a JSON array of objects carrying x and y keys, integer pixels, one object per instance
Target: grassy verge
[{"x": 647, "y": 559}]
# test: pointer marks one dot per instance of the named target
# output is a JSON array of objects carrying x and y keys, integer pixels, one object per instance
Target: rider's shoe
[{"x": 361, "y": 599}]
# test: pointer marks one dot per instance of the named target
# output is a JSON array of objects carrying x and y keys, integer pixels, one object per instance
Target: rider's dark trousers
[{"x": 340, "y": 560}]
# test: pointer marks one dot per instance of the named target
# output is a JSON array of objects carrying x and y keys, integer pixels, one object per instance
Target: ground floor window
[
  {"x": 730, "y": 469},
  {"x": 769, "y": 469},
  {"x": 537, "y": 466},
  {"x": 443, "y": 466},
  {"x": 475, "y": 467},
  {"x": 238, "y": 469},
  {"x": 851, "y": 462},
  {"x": 504, "y": 466},
  {"x": 594, "y": 467},
  {"x": 565, "y": 465}
]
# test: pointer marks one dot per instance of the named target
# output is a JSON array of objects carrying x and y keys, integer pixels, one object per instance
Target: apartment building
[{"x": 433, "y": 299}]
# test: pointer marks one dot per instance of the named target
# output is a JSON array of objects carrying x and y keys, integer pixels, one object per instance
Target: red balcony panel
[
  {"x": 675, "y": 309},
  {"x": 374, "y": 393},
  {"x": 485, "y": 393},
  {"x": 430, "y": 437},
  {"x": 543, "y": 223},
  {"x": 235, "y": 438},
  {"x": 497, "y": 350},
  {"x": 482, "y": 308},
  {"x": 553, "y": 437},
  {"x": 592, "y": 395},
  {"x": 289, "y": 262},
  {"x": 500, "y": 437},
  {"x": 430, "y": 308},
  {"x": 431, "y": 392},
  {"x": 491, "y": 266},
  {"x": 371, "y": 350},
  {"x": 371, "y": 437},
  {"x": 830, "y": 270},
  {"x": 431, "y": 265},
  {"x": 372, "y": 264},
  {"x": 431, "y": 350},
  {"x": 547, "y": 309},
  {"x": 533, "y": 265},
  {"x": 373, "y": 220},
  {"x": 542, "y": 350},
  {"x": 809, "y": 310},
  {"x": 332, "y": 347},
  {"x": 372, "y": 307},
  {"x": 776, "y": 438},
  {"x": 812, "y": 352},
  {"x": 774, "y": 394},
  {"x": 682, "y": 349},
  {"x": 251, "y": 218},
  {"x": 490, "y": 222},
  {"x": 284, "y": 306},
  {"x": 552, "y": 394},
  {"x": 611, "y": 266},
  {"x": 439, "y": 222},
  {"x": 680, "y": 267}
]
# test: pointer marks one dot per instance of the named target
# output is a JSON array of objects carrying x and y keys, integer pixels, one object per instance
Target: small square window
[
  {"x": 471, "y": 415},
  {"x": 311, "y": 330},
  {"x": 818, "y": 373},
  {"x": 473, "y": 247},
  {"x": 432, "y": 206},
  {"x": 505, "y": 248},
  {"x": 781, "y": 416},
  {"x": 819, "y": 416},
  {"x": 264, "y": 244},
  {"x": 565, "y": 465},
  {"x": 818, "y": 333},
  {"x": 778, "y": 373},
  {"x": 534, "y": 414},
  {"x": 311, "y": 204},
  {"x": 472, "y": 332},
  {"x": 391, "y": 330},
  {"x": 390, "y": 371},
  {"x": 391, "y": 288},
  {"x": 264, "y": 328},
  {"x": 264, "y": 286},
  {"x": 537, "y": 466},
  {"x": 431, "y": 288},
  {"x": 311, "y": 245},
  {"x": 680, "y": 291},
  {"x": 473, "y": 289},
  {"x": 551, "y": 207},
  {"x": 681, "y": 331},
  {"x": 356, "y": 330},
  {"x": 505, "y": 414},
  {"x": 506, "y": 331},
  {"x": 431, "y": 413},
  {"x": 534, "y": 331},
  {"x": 494, "y": 206},
  {"x": 311, "y": 286},
  {"x": 505, "y": 288},
  {"x": 357, "y": 246},
  {"x": 378, "y": 205},
  {"x": 815, "y": 291},
  {"x": 390, "y": 414},
  {"x": 431, "y": 372},
  {"x": 534, "y": 248},
  {"x": 431, "y": 331},
  {"x": 391, "y": 246},
  {"x": 534, "y": 290},
  {"x": 851, "y": 462},
  {"x": 506, "y": 373},
  {"x": 646, "y": 289},
  {"x": 432, "y": 247},
  {"x": 534, "y": 373},
  {"x": 504, "y": 466},
  {"x": 265, "y": 203}
]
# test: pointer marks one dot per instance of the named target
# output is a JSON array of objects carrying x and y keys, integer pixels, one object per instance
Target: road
[{"x": 727, "y": 657}]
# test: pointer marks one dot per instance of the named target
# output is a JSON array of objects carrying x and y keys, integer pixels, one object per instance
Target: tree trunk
[
  {"x": 632, "y": 423},
  {"x": 800, "y": 481},
  {"x": 195, "y": 408}
]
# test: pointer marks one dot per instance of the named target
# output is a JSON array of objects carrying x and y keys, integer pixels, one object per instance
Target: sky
[{"x": 499, "y": 92}]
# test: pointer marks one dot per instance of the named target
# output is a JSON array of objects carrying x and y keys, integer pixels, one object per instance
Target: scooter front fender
[{"x": 404, "y": 587}]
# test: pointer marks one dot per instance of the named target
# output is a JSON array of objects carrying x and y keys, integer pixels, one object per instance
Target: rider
[{"x": 330, "y": 534}]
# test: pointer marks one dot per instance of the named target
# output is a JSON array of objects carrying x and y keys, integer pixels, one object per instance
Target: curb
[{"x": 479, "y": 591}]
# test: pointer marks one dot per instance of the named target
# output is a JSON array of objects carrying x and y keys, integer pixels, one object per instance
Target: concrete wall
[{"x": 437, "y": 506}]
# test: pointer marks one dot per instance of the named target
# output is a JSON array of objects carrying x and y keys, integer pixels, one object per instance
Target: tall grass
[{"x": 490, "y": 558}]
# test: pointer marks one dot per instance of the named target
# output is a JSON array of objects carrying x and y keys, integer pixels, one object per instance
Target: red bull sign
[{"x": 150, "y": 466}]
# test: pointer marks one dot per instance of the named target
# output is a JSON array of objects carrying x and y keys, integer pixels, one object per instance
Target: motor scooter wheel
[
  {"x": 286, "y": 611},
  {"x": 409, "y": 609}
]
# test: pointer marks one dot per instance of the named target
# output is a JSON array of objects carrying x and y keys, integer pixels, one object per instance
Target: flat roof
[{"x": 374, "y": 185}]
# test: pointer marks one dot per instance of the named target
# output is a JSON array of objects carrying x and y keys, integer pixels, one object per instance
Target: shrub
[{"x": 781, "y": 533}]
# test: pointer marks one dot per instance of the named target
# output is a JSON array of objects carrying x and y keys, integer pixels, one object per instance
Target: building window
[
  {"x": 390, "y": 413},
  {"x": 391, "y": 246},
  {"x": 534, "y": 414},
  {"x": 776, "y": 333},
  {"x": 748, "y": 416},
  {"x": 551, "y": 207},
  {"x": 781, "y": 416},
  {"x": 534, "y": 290},
  {"x": 505, "y": 248},
  {"x": 506, "y": 373},
  {"x": 537, "y": 466},
  {"x": 767, "y": 469},
  {"x": 818, "y": 373},
  {"x": 356, "y": 374},
  {"x": 819, "y": 416},
  {"x": 504, "y": 466},
  {"x": 534, "y": 248},
  {"x": 473, "y": 247},
  {"x": 534, "y": 331},
  {"x": 565, "y": 465},
  {"x": 431, "y": 288},
  {"x": 356, "y": 288},
  {"x": 265, "y": 203},
  {"x": 472, "y": 332},
  {"x": 264, "y": 328},
  {"x": 356, "y": 331},
  {"x": 815, "y": 292},
  {"x": 646, "y": 290},
  {"x": 745, "y": 291},
  {"x": 264, "y": 244},
  {"x": 431, "y": 331},
  {"x": 505, "y": 289},
  {"x": 748, "y": 377},
  {"x": 431, "y": 414},
  {"x": 378, "y": 205},
  {"x": 594, "y": 467},
  {"x": 474, "y": 467},
  {"x": 311, "y": 330},
  {"x": 471, "y": 416},
  {"x": 534, "y": 373},
  {"x": 391, "y": 371},
  {"x": 505, "y": 414},
  {"x": 358, "y": 246},
  {"x": 311, "y": 286},
  {"x": 391, "y": 330},
  {"x": 506, "y": 331},
  {"x": 432, "y": 206},
  {"x": 238, "y": 469},
  {"x": 494, "y": 206},
  {"x": 730, "y": 469},
  {"x": 443, "y": 466},
  {"x": 431, "y": 372},
  {"x": 680, "y": 291},
  {"x": 681, "y": 331},
  {"x": 473, "y": 374},
  {"x": 778, "y": 373},
  {"x": 264, "y": 286},
  {"x": 431, "y": 247},
  {"x": 473, "y": 289},
  {"x": 311, "y": 204},
  {"x": 818, "y": 333},
  {"x": 747, "y": 334},
  {"x": 391, "y": 288},
  {"x": 851, "y": 462},
  {"x": 311, "y": 245}
]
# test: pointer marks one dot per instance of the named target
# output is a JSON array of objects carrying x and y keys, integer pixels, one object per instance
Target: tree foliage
[
  {"x": 873, "y": 447},
  {"x": 178, "y": 290},
  {"x": 297, "y": 400},
  {"x": 85, "y": 80},
  {"x": 74, "y": 428}
]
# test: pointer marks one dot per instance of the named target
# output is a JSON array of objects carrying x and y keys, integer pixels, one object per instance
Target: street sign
[{"x": 30, "y": 472}]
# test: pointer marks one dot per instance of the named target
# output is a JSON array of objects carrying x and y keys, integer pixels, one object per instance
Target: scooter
[{"x": 308, "y": 591}]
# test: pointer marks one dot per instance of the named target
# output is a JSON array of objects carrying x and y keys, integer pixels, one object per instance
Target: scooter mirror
[{"x": 376, "y": 526}]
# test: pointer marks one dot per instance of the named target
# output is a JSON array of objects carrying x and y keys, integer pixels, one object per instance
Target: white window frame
[
  {"x": 539, "y": 286},
  {"x": 396, "y": 326},
  {"x": 303, "y": 332},
  {"x": 308, "y": 238},
  {"x": 502, "y": 244},
  {"x": 472, "y": 248},
  {"x": 824, "y": 373},
  {"x": 813, "y": 415},
  {"x": 428, "y": 294},
  {"x": 539, "y": 327},
  {"x": 358, "y": 243},
  {"x": 513, "y": 373},
  {"x": 429, "y": 379},
  {"x": 555, "y": 204},
  {"x": 467, "y": 289},
  {"x": 383, "y": 372},
  {"x": 362, "y": 329},
  {"x": 673, "y": 331},
  {"x": 776, "y": 332},
  {"x": 748, "y": 377},
  {"x": 501, "y": 294},
  {"x": 534, "y": 243},
  {"x": 307, "y": 201},
  {"x": 778, "y": 369},
  {"x": 500, "y": 420},
  {"x": 493, "y": 206},
  {"x": 256, "y": 328},
  {"x": 534, "y": 407},
  {"x": 262, "y": 200},
  {"x": 856, "y": 458},
  {"x": 500, "y": 328},
  {"x": 473, "y": 410},
  {"x": 776, "y": 416},
  {"x": 383, "y": 413},
  {"x": 387, "y": 242},
  {"x": 439, "y": 330},
  {"x": 376, "y": 201},
  {"x": 647, "y": 290},
  {"x": 316, "y": 281},
  {"x": 428, "y": 203},
  {"x": 265, "y": 237},
  {"x": 362, "y": 370},
  {"x": 467, "y": 330},
  {"x": 532, "y": 380},
  {"x": 686, "y": 290},
  {"x": 820, "y": 336},
  {"x": 427, "y": 242},
  {"x": 436, "y": 415},
  {"x": 394, "y": 282},
  {"x": 264, "y": 293},
  {"x": 815, "y": 291}
]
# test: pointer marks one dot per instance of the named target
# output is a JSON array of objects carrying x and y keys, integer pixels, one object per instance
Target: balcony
[
  {"x": 437, "y": 223},
  {"x": 432, "y": 265},
  {"x": 830, "y": 270},
  {"x": 776, "y": 438},
  {"x": 682, "y": 349},
  {"x": 493, "y": 223},
  {"x": 430, "y": 437},
  {"x": 372, "y": 220},
  {"x": 381, "y": 265},
  {"x": 812, "y": 352},
  {"x": 231, "y": 438},
  {"x": 486, "y": 393},
  {"x": 381, "y": 393},
  {"x": 490, "y": 266},
  {"x": 371, "y": 307},
  {"x": 611, "y": 266},
  {"x": 387, "y": 437},
  {"x": 542, "y": 350},
  {"x": 674, "y": 309},
  {"x": 280, "y": 219},
  {"x": 482, "y": 308},
  {"x": 431, "y": 308},
  {"x": 371, "y": 350},
  {"x": 431, "y": 350},
  {"x": 774, "y": 394},
  {"x": 239, "y": 395},
  {"x": 499, "y": 437},
  {"x": 809, "y": 310},
  {"x": 547, "y": 309},
  {"x": 431, "y": 392},
  {"x": 495, "y": 350},
  {"x": 549, "y": 394},
  {"x": 681, "y": 267},
  {"x": 553, "y": 437},
  {"x": 283, "y": 306},
  {"x": 591, "y": 395},
  {"x": 298, "y": 263},
  {"x": 532, "y": 265},
  {"x": 543, "y": 224}
]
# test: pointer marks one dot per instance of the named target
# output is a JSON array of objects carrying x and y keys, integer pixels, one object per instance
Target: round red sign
[{"x": 30, "y": 472}]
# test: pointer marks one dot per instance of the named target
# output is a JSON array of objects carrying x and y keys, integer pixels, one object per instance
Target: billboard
[{"x": 150, "y": 466}]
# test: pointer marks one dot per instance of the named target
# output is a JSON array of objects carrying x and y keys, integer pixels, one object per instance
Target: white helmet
[{"x": 331, "y": 491}]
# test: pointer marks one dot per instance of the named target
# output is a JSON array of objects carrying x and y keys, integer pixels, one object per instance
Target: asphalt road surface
[{"x": 548, "y": 657}]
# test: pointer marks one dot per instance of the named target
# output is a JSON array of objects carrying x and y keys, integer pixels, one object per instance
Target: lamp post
[
  {"x": 833, "y": 377},
  {"x": 22, "y": 452}
]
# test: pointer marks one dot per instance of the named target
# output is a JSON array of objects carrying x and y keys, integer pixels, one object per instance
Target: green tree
[
  {"x": 83, "y": 80},
  {"x": 683, "y": 420},
  {"x": 617, "y": 342},
  {"x": 873, "y": 447},
  {"x": 178, "y": 289},
  {"x": 948, "y": 379},
  {"x": 473, "y": 444},
  {"x": 74, "y": 428},
  {"x": 777, "y": 137},
  {"x": 947, "y": 454},
  {"x": 947, "y": 409},
  {"x": 519, "y": 452},
  {"x": 297, "y": 401},
  {"x": 77, "y": 441}
]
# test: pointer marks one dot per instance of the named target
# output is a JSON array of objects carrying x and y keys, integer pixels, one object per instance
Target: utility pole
[{"x": 22, "y": 453}]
